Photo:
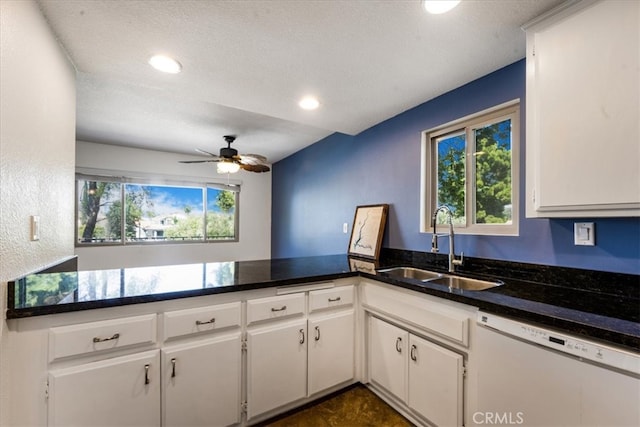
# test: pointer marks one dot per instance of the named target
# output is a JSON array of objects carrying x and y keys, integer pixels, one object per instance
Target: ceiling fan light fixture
[
  {"x": 437, "y": 7},
  {"x": 229, "y": 161},
  {"x": 309, "y": 103},
  {"x": 165, "y": 64},
  {"x": 227, "y": 166}
]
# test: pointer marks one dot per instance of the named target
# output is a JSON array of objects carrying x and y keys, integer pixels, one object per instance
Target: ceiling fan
[{"x": 229, "y": 161}]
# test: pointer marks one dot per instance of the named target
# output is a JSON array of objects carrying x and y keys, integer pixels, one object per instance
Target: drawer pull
[
  {"x": 112, "y": 337},
  {"x": 173, "y": 367},
  {"x": 146, "y": 374},
  {"x": 398, "y": 344},
  {"x": 301, "y": 336},
  {"x": 317, "y": 337},
  {"x": 413, "y": 353},
  {"x": 283, "y": 308},
  {"x": 206, "y": 322},
  {"x": 334, "y": 299}
]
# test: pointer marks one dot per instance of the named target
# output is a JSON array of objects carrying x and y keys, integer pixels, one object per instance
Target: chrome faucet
[{"x": 434, "y": 240}]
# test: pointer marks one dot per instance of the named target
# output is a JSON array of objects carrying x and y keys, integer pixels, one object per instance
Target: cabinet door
[
  {"x": 583, "y": 131},
  {"x": 276, "y": 366},
  {"x": 119, "y": 391},
  {"x": 435, "y": 382},
  {"x": 201, "y": 383},
  {"x": 388, "y": 356},
  {"x": 331, "y": 344}
]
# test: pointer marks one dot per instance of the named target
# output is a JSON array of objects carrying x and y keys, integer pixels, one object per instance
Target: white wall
[
  {"x": 254, "y": 208},
  {"x": 37, "y": 145}
]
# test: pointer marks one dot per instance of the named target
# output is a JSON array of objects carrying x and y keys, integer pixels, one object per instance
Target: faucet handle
[{"x": 459, "y": 261}]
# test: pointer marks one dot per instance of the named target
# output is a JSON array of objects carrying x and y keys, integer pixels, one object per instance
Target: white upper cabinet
[{"x": 583, "y": 111}]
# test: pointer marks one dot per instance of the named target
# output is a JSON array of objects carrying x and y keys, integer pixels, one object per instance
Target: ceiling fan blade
[
  {"x": 254, "y": 168},
  {"x": 252, "y": 159},
  {"x": 206, "y": 152},
  {"x": 198, "y": 161}
]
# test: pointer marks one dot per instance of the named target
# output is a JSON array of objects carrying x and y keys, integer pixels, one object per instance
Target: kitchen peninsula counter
[{"x": 537, "y": 294}]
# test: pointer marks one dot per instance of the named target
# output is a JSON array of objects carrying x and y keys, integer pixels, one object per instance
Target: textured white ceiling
[{"x": 247, "y": 63}]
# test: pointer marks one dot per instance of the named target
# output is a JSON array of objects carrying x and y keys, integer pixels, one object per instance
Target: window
[
  {"x": 113, "y": 211},
  {"x": 472, "y": 167}
]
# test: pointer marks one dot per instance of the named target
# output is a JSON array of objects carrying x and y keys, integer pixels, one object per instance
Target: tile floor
[{"x": 354, "y": 407}]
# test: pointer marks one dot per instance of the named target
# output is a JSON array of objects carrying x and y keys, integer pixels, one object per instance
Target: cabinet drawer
[
  {"x": 185, "y": 322},
  {"x": 330, "y": 298},
  {"x": 94, "y": 337},
  {"x": 275, "y": 307}
]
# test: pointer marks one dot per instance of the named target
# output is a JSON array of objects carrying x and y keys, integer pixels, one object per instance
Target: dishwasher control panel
[{"x": 588, "y": 350}]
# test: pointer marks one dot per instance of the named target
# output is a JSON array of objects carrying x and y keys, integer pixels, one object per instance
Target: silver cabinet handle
[
  {"x": 146, "y": 374},
  {"x": 206, "y": 322},
  {"x": 301, "y": 336},
  {"x": 334, "y": 299},
  {"x": 398, "y": 344},
  {"x": 413, "y": 353},
  {"x": 317, "y": 337},
  {"x": 112, "y": 337},
  {"x": 283, "y": 308},
  {"x": 173, "y": 367}
]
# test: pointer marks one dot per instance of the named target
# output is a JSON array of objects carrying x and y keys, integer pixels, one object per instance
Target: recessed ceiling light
[
  {"x": 165, "y": 64},
  {"x": 437, "y": 7},
  {"x": 309, "y": 103}
]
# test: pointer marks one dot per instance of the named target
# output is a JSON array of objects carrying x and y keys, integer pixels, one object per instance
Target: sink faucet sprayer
[{"x": 434, "y": 240}]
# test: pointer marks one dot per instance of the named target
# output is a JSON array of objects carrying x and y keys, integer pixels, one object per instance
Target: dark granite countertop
[
  {"x": 60, "y": 292},
  {"x": 574, "y": 301}
]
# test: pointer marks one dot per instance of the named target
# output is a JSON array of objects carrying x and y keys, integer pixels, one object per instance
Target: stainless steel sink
[
  {"x": 466, "y": 283},
  {"x": 452, "y": 282},
  {"x": 411, "y": 273}
]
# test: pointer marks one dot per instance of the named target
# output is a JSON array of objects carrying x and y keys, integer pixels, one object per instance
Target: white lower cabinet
[
  {"x": 292, "y": 356},
  {"x": 202, "y": 366},
  {"x": 331, "y": 350},
  {"x": 435, "y": 382},
  {"x": 388, "y": 360},
  {"x": 193, "y": 379},
  {"x": 191, "y": 371},
  {"x": 201, "y": 382},
  {"x": 299, "y": 345},
  {"x": 277, "y": 365},
  {"x": 119, "y": 391},
  {"x": 427, "y": 377}
]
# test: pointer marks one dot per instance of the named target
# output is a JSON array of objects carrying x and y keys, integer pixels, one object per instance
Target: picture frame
[
  {"x": 363, "y": 265},
  {"x": 368, "y": 228}
]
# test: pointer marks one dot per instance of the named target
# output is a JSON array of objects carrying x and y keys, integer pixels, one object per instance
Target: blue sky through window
[{"x": 165, "y": 200}]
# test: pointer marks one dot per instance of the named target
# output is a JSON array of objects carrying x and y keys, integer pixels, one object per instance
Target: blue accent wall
[{"x": 317, "y": 189}]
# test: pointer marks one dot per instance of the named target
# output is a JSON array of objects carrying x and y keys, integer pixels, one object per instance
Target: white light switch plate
[{"x": 584, "y": 234}]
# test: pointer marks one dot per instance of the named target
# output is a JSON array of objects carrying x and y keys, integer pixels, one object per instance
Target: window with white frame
[
  {"x": 119, "y": 211},
  {"x": 471, "y": 166}
]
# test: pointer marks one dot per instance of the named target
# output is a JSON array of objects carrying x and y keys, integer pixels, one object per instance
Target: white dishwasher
[{"x": 532, "y": 376}]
